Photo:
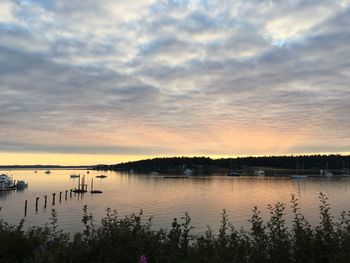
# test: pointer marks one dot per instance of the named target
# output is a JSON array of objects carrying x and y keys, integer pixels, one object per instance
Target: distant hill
[{"x": 206, "y": 165}]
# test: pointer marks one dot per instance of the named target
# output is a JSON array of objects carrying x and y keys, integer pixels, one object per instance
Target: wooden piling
[
  {"x": 53, "y": 198},
  {"x": 70, "y": 193},
  {"x": 65, "y": 196},
  {"x": 36, "y": 204},
  {"x": 25, "y": 208},
  {"x": 60, "y": 197},
  {"x": 45, "y": 202}
]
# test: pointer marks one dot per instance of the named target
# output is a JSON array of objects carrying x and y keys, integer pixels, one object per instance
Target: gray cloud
[
  {"x": 173, "y": 68},
  {"x": 82, "y": 149}
]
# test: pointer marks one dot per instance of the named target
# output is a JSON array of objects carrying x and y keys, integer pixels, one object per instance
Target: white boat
[
  {"x": 232, "y": 172},
  {"x": 259, "y": 172},
  {"x": 345, "y": 171},
  {"x": 6, "y": 183},
  {"x": 154, "y": 169},
  {"x": 188, "y": 172},
  {"x": 298, "y": 176},
  {"x": 328, "y": 174},
  {"x": 74, "y": 175}
]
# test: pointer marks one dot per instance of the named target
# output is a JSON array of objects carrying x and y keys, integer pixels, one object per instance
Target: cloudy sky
[{"x": 106, "y": 81}]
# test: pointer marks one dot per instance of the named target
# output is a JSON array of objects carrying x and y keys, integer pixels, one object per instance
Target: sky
[{"x": 86, "y": 82}]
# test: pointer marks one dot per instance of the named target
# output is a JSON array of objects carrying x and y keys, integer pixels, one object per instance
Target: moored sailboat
[
  {"x": 92, "y": 191},
  {"x": 232, "y": 172},
  {"x": 298, "y": 176}
]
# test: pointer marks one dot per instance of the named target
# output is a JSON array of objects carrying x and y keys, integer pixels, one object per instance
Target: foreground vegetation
[{"x": 130, "y": 239}]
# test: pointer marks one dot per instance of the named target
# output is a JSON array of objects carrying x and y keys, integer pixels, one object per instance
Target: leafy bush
[{"x": 130, "y": 239}]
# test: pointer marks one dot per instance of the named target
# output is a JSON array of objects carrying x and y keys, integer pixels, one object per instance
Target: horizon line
[{"x": 180, "y": 156}]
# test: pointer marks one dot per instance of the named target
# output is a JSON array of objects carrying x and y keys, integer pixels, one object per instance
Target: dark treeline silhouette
[{"x": 208, "y": 165}]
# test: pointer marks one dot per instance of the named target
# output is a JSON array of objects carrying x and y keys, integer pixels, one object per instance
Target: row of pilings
[{"x": 45, "y": 198}]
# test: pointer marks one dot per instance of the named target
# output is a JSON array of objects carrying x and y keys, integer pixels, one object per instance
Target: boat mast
[
  {"x": 83, "y": 183},
  {"x": 297, "y": 165}
]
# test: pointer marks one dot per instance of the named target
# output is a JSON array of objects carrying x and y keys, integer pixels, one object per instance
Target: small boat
[
  {"x": 74, "y": 175},
  {"x": 101, "y": 176},
  {"x": 48, "y": 172},
  {"x": 6, "y": 183},
  {"x": 35, "y": 171},
  {"x": 188, "y": 172},
  {"x": 21, "y": 185},
  {"x": 176, "y": 177},
  {"x": 92, "y": 191},
  {"x": 259, "y": 173},
  {"x": 79, "y": 191},
  {"x": 154, "y": 169},
  {"x": 96, "y": 192},
  {"x": 233, "y": 173},
  {"x": 328, "y": 174},
  {"x": 82, "y": 188},
  {"x": 346, "y": 171},
  {"x": 298, "y": 177}
]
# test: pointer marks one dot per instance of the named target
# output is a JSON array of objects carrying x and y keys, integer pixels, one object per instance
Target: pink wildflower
[{"x": 143, "y": 259}]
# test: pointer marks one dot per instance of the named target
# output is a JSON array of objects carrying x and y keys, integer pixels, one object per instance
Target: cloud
[
  {"x": 7, "y": 12},
  {"x": 128, "y": 77},
  {"x": 81, "y": 149}
]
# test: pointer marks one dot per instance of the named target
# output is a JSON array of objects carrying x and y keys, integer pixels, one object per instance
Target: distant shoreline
[
  {"x": 271, "y": 165},
  {"x": 40, "y": 167}
]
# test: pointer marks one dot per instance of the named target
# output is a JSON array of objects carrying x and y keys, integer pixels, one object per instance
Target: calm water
[{"x": 203, "y": 197}]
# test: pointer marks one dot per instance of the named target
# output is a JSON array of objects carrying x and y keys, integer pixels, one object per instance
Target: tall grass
[{"x": 131, "y": 239}]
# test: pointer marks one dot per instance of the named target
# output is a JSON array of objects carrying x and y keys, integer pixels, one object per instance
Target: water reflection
[
  {"x": 165, "y": 198},
  {"x": 4, "y": 195}
]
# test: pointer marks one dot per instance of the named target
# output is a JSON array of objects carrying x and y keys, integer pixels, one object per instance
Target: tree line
[{"x": 208, "y": 165}]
